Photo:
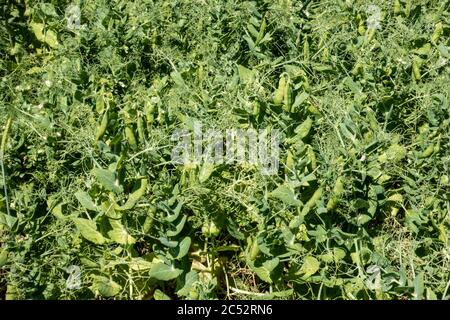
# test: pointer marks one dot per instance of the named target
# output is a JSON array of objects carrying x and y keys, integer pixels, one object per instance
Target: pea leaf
[
  {"x": 88, "y": 230},
  {"x": 164, "y": 272},
  {"x": 309, "y": 267},
  {"x": 119, "y": 234},
  {"x": 105, "y": 287},
  {"x": 286, "y": 194},
  {"x": 107, "y": 179},
  {"x": 85, "y": 200}
]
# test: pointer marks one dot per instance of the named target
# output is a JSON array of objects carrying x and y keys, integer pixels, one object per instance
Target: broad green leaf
[
  {"x": 309, "y": 267},
  {"x": 189, "y": 280},
  {"x": 88, "y": 230},
  {"x": 107, "y": 179},
  {"x": 205, "y": 172},
  {"x": 51, "y": 39},
  {"x": 164, "y": 272},
  {"x": 264, "y": 272},
  {"x": 178, "y": 228},
  {"x": 139, "y": 264},
  {"x": 38, "y": 30},
  {"x": 286, "y": 194},
  {"x": 183, "y": 248},
  {"x": 159, "y": 295},
  {"x": 119, "y": 234},
  {"x": 85, "y": 200},
  {"x": 299, "y": 99},
  {"x": 7, "y": 220},
  {"x": 3, "y": 257},
  {"x": 105, "y": 287},
  {"x": 418, "y": 287},
  {"x": 246, "y": 75}
]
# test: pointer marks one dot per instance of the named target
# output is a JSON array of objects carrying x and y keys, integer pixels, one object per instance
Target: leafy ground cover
[{"x": 93, "y": 208}]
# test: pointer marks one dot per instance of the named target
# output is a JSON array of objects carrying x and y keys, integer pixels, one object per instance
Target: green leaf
[
  {"x": 309, "y": 267},
  {"x": 246, "y": 75},
  {"x": 105, "y": 287},
  {"x": 88, "y": 230},
  {"x": 159, "y": 295},
  {"x": 3, "y": 257},
  {"x": 264, "y": 272},
  {"x": 183, "y": 248},
  {"x": 190, "y": 279},
  {"x": 119, "y": 234},
  {"x": 178, "y": 228},
  {"x": 85, "y": 200},
  {"x": 286, "y": 194},
  {"x": 418, "y": 287},
  {"x": 205, "y": 172},
  {"x": 107, "y": 179},
  {"x": 164, "y": 272},
  {"x": 7, "y": 220},
  {"x": 139, "y": 264},
  {"x": 51, "y": 39}
]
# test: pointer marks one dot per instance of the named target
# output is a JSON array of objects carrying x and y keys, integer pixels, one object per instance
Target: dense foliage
[{"x": 360, "y": 208}]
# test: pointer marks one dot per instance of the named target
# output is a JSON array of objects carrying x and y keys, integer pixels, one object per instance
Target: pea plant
[{"x": 93, "y": 205}]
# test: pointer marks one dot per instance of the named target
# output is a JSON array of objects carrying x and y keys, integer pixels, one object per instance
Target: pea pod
[
  {"x": 312, "y": 201},
  {"x": 140, "y": 129},
  {"x": 325, "y": 55},
  {"x": 306, "y": 50},
  {"x": 279, "y": 92},
  {"x": 427, "y": 152},
  {"x": 287, "y": 97},
  {"x": 135, "y": 196},
  {"x": 438, "y": 31},
  {"x": 253, "y": 248},
  {"x": 289, "y": 162},
  {"x": 312, "y": 157},
  {"x": 408, "y": 7},
  {"x": 416, "y": 69},
  {"x": 149, "y": 220},
  {"x": 102, "y": 128},
  {"x": 338, "y": 190},
  {"x": 397, "y": 7},
  {"x": 149, "y": 110},
  {"x": 129, "y": 134}
]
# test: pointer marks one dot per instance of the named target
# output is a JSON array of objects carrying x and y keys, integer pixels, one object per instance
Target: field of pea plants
[{"x": 92, "y": 205}]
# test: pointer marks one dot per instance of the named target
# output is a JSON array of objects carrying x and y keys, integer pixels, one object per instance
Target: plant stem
[{"x": 2, "y": 152}]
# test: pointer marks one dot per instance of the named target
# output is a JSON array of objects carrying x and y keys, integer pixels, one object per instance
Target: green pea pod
[
  {"x": 338, "y": 190},
  {"x": 149, "y": 110},
  {"x": 427, "y": 152},
  {"x": 287, "y": 97},
  {"x": 254, "y": 249},
  {"x": 312, "y": 201},
  {"x": 129, "y": 134},
  {"x": 134, "y": 197},
  {"x": 408, "y": 8},
  {"x": 416, "y": 70},
  {"x": 438, "y": 31},
  {"x": 306, "y": 50},
  {"x": 140, "y": 129},
  {"x": 279, "y": 92},
  {"x": 312, "y": 157},
  {"x": 397, "y": 7},
  {"x": 102, "y": 128},
  {"x": 149, "y": 220}
]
